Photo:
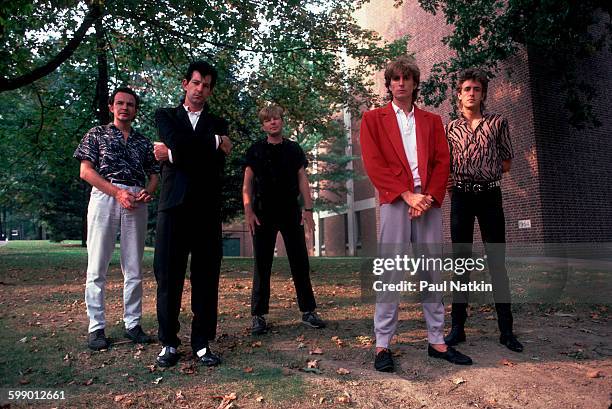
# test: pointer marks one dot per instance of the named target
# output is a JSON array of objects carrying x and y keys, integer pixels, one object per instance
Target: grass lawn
[{"x": 43, "y": 328}]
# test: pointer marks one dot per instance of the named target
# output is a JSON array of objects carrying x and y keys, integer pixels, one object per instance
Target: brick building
[{"x": 559, "y": 188}]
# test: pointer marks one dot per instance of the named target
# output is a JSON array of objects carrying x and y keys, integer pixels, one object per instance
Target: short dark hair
[
  {"x": 204, "y": 68},
  {"x": 407, "y": 66},
  {"x": 474, "y": 74},
  {"x": 126, "y": 90}
]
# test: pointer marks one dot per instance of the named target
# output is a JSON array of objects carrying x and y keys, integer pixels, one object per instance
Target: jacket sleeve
[
  {"x": 440, "y": 163},
  {"x": 376, "y": 165},
  {"x": 187, "y": 152}
]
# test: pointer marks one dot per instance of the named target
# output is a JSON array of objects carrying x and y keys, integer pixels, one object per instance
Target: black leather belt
[
  {"x": 475, "y": 187},
  {"x": 121, "y": 182}
]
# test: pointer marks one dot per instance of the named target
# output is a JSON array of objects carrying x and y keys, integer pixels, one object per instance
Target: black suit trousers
[
  {"x": 188, "y": 229},
  {"x": 487, "y": 208},
  {"x": 264, "y": 240}
]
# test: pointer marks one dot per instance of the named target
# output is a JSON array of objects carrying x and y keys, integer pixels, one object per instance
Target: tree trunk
[
  {"x": 102, "y": 83},
  {"x": 101, "y": 105},
  {"x": 3, "y": 223}
]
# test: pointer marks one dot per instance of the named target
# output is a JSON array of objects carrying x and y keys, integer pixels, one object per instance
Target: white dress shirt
[{"x": 407, "y": 128}]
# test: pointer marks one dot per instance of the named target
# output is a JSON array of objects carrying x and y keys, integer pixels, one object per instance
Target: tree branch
[{"x": 8, "y": 84}]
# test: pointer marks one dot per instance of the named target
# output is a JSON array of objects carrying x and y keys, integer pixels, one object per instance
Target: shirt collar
[
  {"x": 197, "y": 113},
  {"x": 113, "y": 127},
  {"x": 464, "y": 119},
  {"x": 397, "y": 109}
]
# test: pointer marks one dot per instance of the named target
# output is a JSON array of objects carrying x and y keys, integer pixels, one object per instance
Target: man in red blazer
[{"x": 406, "y": 156}]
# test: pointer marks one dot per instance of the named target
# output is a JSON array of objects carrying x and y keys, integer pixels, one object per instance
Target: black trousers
[
  {"x": 181, "y": 231},
  {"x": 487, "y": 208},
  {"x": 288, "y": 223}
]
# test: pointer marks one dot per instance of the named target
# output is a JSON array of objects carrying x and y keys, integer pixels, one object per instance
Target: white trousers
[{"x": 105, "y": 218}]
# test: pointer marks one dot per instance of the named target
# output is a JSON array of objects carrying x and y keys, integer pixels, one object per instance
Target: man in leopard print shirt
[{"x": 481, "y": 151}]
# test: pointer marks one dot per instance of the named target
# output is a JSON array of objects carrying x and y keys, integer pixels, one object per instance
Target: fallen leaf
[
  {"x": 88, "y": 382},
  {"x": 396, "y": 353},
  {"x": 248, "y": 369},
  {"x": 343, "y": 371},
  {"x": 312, "y": 364},
  {"x": 227, "y": 401},
  {"x": 24, "y": 381},
  {"x": 365, "y": 340},
  {"x": 259, "y": 399},
  {"x": 119, "y": 398},
  {"x": 594, "y": 374},
  {"x": 458, "y": 381},
  {"x": 256, "y": 344},
  {"x": 300, "y": 338},
  {"x": 321, "y": 400},
  {"x": 179, "y": 395},
  {"x": 506, "y": 362},
  {"x": 301, "y": 345},
  {"x": 316, "y": 351},
  {"x": 346, "y": 398},
  {"x": 23, "y": 340},
  {"x": 131, "y": 379},
  {"x": 337, "y": 340},
  {"x": 151, "y": 368},
  {"x": 187, "y": 368},
  {"x": 561, "y": 314},
  {"x": 157, "y": 380}
]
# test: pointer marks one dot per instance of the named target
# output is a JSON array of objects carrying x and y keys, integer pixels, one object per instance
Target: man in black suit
[{"x": 192, "y": 150}]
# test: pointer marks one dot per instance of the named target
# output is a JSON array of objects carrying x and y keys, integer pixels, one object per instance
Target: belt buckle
[{"x": 477, "y": 188}]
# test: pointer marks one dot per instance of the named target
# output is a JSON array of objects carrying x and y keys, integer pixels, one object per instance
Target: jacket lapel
[
  {"x": 392, "y": 131},
  {"x": 202, "y": 122},
  {"x": 181, "y": 114},
  {"x": 422, "y": 131}
]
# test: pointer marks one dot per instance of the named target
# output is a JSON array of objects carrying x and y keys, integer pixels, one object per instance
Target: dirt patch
[{"x": 566, "y": 362}]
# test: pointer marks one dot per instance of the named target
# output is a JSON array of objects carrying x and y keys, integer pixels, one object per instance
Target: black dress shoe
[
  {"x": 451, "y": 355},
  {"x": 384, "y": 361},
  {"x": 312, "y": 320},
  {"x": 167, "y": 357},
  {"x": 137, "y": 335},
  {"x": 510, "y": 341},
  {"x": 207, "y": 357},
  {"x": 455, "y": 336},
  {"x": 259, "y": 325},
  {"x": 97, "y": 341}
]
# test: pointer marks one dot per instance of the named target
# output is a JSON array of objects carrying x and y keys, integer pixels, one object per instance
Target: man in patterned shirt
[
  {"x": 117, "y": 160},
  {"x": 481, "y": 152}
]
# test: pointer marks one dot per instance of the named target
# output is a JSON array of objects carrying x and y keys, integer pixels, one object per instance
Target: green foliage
[
  {"x": 487, "y": 32},
  {"x": 288, "y": 52}
]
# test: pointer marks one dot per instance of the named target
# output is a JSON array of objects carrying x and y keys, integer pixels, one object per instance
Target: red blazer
[{"x": 385, "y": 160}]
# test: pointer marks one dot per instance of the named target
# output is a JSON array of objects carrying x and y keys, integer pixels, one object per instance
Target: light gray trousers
[
  {"x": 106, "y": 217},
  {"x": 398, "y": 230}
]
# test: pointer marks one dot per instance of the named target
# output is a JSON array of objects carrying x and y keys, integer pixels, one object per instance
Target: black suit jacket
[{"x": 197, "y": 166}]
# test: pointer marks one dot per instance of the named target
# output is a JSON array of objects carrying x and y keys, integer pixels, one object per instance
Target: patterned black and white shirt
[
  {"x": 477, "y": 155},
  {"x": 116, "y": 160}
]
